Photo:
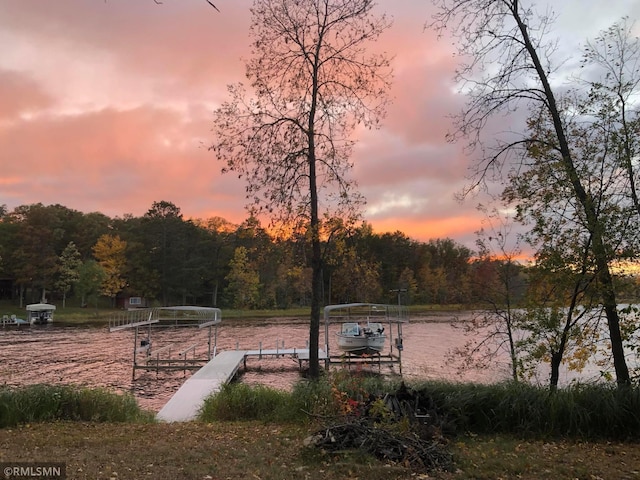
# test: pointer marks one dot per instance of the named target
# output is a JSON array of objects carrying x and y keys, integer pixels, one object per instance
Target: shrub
[{"x": 237, "y": 401}]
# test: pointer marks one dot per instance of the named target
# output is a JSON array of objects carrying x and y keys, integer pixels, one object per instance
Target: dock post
[
  {"x": 135, "y": 349},
  {"x": 209, "y": 345}
]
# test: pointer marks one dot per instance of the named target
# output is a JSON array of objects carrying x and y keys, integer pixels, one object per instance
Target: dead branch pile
[
  {"x": 385, "y": 444},
  {"x": 406, "y": 436}
]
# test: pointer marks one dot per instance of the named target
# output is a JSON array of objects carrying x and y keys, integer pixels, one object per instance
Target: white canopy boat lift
[
  {"x": 40, "y": 313},
  {"x": 366, "y": 329}
]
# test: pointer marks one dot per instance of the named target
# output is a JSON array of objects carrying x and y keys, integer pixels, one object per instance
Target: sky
[{"x": 107, "y": 105}]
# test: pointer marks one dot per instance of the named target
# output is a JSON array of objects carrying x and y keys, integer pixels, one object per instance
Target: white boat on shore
[{"x": 40, "y": 313}]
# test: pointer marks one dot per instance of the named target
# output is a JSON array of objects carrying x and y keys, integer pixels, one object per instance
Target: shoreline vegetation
[
  {"x": 478, "y": 431},
  {"x": 87, "y": 317}
]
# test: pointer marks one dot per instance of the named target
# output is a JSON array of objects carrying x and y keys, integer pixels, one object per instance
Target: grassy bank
[
  {"x": 501, "y": 431},
  {"x": 268, "y": 451},
  {"x": 582, "y": 412},
  {"x": 48, "y": 403}
]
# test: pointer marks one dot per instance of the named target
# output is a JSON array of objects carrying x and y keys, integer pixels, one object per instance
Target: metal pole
[{"x": 135, "y": 348}]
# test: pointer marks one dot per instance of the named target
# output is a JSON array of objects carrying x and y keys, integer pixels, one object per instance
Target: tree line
[{"x": 167, "y": 259}]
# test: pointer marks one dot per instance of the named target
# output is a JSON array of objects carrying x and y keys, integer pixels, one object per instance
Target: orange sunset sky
[{"x": 106, "y": 105}]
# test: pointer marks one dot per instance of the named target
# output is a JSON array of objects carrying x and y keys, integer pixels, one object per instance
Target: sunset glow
[{"x": 107, "y": 106}]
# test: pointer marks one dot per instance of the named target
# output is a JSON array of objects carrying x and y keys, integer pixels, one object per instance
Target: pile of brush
[{"x": 400, "y": 427}]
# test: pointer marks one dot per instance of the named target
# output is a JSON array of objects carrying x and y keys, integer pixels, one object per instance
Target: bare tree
[
  {"x": 614, "y": 58},
  {"x": 509, "y": 67},
  {"x": 501, "y": 285},
  {"x": 313, "y": 82}
]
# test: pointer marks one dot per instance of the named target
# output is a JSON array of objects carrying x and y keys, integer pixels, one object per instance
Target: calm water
[{"x": 95, "y": 357}]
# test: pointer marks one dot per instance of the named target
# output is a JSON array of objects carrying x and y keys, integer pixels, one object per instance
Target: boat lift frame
[
  {"x": 391, "y": 315},
  {"x": 184, "y": 315}
]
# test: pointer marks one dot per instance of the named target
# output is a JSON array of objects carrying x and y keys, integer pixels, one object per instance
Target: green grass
[
  {"x": 46, "y": 403},
  {"x": 237, "y": 401},
  {"x": 325, "y": 398},
  {"x": 585, "y": 412},
  {"x": 579, "y": 411}
]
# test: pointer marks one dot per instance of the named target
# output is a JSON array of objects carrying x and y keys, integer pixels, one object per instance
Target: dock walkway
[{"x": 187, "y": 401}]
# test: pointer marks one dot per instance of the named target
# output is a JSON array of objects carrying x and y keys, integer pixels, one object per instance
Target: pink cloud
[
  {"x": 107, "y": 106},
  {"x": 135, "y": 85},
  {"x": 20, "y": 94}
]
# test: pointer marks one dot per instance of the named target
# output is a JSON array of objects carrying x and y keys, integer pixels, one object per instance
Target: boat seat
[{"x": 351, "y": 330}]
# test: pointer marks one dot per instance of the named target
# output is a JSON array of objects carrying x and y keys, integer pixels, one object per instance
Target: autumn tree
[
  {"x": 393, "y": 252},
  {"x": 312, "y": 83},
  {"x": 599, "y": 117},
  {"x": 445, "y": 274},
  {"x": 562, "y": 317},
  {"x": 109, "y": 251},
  {"x": 68, "y": 270},
  {"x": 355, "y": 279},
  {"x": 510, "y": 67},
  {"x": 244, "y": 281}
]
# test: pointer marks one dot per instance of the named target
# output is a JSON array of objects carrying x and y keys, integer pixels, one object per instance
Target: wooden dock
[{"x": 187, "y": 401}]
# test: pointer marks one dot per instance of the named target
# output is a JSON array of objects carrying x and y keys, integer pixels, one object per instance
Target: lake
[{"x": 94, "y": 357}]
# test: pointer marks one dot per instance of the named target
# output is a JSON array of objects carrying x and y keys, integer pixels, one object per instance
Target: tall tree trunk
[
  {"x": 316, "y": 264},
  {"x": 316, "y": 302},
  {"x": 556, "y": 360},
  {"x": 214, "y": 295},
  {"x": 594, "y": 225},
  {"x": 613, "y": 321}
]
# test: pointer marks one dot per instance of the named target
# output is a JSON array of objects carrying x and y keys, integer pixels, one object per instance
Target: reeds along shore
[{"x": 580, "y": 411}]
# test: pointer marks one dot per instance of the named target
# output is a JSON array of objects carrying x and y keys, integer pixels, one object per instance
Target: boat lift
[
  {"x": 184, "y": 315},
  {"x": 390, "y": 315}
]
